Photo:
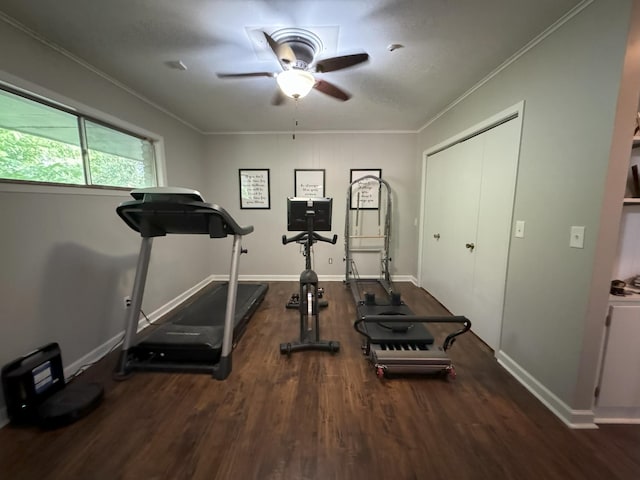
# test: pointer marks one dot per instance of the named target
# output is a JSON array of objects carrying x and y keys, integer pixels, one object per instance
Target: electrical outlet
[
  {"x": 577, "y": 237},
  {"x": 126, "y": 301}
]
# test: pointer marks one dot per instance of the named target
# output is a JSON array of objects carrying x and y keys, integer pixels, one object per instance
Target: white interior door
[
  {"x": 460, "y": 218},
  {"x": 499, "y": 171},
  {"x": 433, "y": 266}
]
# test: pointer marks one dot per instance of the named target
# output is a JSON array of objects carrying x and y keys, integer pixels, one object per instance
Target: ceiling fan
[{"x": 295, "y": 50}]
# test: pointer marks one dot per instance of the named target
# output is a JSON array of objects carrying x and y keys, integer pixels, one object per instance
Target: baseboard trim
[
  {"x": 617, "y": 421},
  {"x": 295, "y": 278},
  {"x": 575, "y": 419},
  {"x": 610, "y": 415}
]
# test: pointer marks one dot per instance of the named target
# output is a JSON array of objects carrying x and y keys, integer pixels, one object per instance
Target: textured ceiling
[{"x": 449, "y": 46}]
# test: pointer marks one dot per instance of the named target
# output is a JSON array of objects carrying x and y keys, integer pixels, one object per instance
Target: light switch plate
[
  {"x": 577, "y": 237},
  {"x": 519, "y": 229}
]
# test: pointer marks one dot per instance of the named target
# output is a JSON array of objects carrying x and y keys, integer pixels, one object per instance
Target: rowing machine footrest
[
  {"x": 395, "y": 299},
  {"x": 369, "y": 298}
]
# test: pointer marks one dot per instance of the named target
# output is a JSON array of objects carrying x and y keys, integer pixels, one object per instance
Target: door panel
[
  {"x": 460, "y": 198},
  {"x": 499, "y": 170},
  {"x": 433, "y": 269}
]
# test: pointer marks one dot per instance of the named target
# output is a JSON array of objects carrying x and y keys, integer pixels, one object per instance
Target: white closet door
[
  {"x": 450, "y": 219},
  {"x": 433, "y": 268},
  {"x": 499, "y": 170},
  {"x": 469, "y": 200},
  {"x": 460, "y": 198}
]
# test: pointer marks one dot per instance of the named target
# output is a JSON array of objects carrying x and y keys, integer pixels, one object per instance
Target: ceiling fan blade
[
  {"x": 240, "y": 75},
  {"x": 282, "y": 51},
  {"x": 338, "y": 63},
  {"x": 331, "y": 90}
]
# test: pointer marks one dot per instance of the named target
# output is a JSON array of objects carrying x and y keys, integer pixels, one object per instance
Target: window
[{"x": 47, "y": 144}]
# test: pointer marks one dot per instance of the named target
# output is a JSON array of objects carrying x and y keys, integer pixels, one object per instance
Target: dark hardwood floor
[{"x": 320, "y": 416}]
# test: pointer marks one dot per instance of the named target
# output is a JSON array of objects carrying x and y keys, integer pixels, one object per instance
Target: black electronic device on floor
[{"x": 36, "y": 393}]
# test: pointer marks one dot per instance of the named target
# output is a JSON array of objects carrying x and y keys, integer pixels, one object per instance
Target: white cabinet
[
  {"x": 618, "y": 393},
  {"x": 619, "y": 390}
]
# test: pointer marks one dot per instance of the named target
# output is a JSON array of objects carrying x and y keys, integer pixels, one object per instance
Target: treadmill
[{"x": 200, "y": 336}]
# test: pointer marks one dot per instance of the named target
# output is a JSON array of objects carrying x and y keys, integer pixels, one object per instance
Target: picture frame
[
  {"x": 309, "y": 183},
  {"x": 254, "y": 188},
  {"x": 365, "y": 195}
]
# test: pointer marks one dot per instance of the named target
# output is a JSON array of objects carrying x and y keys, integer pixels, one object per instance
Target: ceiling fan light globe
[{"x": 295, "y": 83}]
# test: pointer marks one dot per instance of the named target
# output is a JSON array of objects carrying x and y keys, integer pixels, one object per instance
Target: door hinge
[
  {"x": 607, "y": 320},
  {"x": 596, "y": 393}
]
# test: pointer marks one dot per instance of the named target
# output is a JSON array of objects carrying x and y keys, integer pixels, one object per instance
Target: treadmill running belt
[{"x": 208, "y": 309}]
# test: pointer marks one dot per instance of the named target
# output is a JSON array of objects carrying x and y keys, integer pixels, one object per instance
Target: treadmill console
[{"x": 167, "y": 194}]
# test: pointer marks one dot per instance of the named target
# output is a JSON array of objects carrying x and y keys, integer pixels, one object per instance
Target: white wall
[
  {"x": 394, "y": 153},
  {"x": 569, "y": 83},
  {"x": 67, "y": 259}
]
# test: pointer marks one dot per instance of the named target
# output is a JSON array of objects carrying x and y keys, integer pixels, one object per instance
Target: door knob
[
  {"x": 436, "y": 236},
  {"x": 470, "y": 246}
]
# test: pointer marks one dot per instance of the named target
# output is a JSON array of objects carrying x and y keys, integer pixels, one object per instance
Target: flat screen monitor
[{"x": 300, "y": 209}]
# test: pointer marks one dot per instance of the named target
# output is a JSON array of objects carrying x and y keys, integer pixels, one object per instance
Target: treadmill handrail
[{"x": 448, "y": 341}]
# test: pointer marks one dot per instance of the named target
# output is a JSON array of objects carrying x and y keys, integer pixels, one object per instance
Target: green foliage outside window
[
  {"x": 39, "y": 143},
  {"x": 28, "y": 157}
]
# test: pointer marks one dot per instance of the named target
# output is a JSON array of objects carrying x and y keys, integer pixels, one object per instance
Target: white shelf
[{"x": 631, "y": 201}]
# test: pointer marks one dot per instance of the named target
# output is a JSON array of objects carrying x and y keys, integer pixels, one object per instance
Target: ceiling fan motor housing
[
  {"x": 305, "y": 45},
  {"x": 304, "y": 52},
  {"x": 296, "y": 50}
]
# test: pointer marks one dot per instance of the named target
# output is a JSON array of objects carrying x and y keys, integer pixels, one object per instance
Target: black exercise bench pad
[{"x": 403, "y": 332}]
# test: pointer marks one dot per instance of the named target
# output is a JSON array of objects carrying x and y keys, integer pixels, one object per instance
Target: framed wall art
[
  {"x": 308, "y": 183},
  {"x": 254, "y": 188},
  {"x": 365, "y": 194}
]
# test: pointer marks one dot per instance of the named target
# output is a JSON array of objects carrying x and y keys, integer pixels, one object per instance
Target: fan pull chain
[{"x": 295, "y": 120}]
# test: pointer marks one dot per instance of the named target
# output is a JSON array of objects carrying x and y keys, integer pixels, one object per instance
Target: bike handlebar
[{"x": 302, "y": 237}]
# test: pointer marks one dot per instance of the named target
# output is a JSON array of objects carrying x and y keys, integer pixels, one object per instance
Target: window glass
[
  {"x": 44, "y": 143},
  {"x": 38, "y": 143},
  {"x": 116, "y": 158}
]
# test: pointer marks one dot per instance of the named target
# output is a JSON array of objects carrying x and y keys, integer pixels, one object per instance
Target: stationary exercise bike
[{"x": 307, "y": 216}]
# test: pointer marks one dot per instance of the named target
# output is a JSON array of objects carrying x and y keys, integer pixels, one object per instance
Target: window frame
[{"x": 82, "y": 112}]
